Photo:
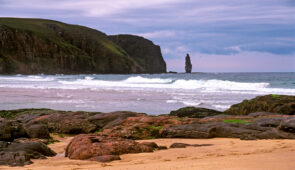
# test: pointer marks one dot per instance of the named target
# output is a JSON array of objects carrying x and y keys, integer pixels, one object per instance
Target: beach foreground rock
[
  {"x": 194, "y": 112},
  {"x": 20, "y": 154},
  {"x": 104, "y": 148},
  {"x": 270, "y": 103}
]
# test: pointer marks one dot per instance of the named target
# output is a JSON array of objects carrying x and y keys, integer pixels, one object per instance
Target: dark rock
[
  {"x": 14, "y": 158},
  {"x": 150, "y": 144},
  {"x": 19, "y": 154},
  {"x": 194, "y": 112},
  {"x": 260, "y": 114},
  {"x": 269, "y": 122},
  {"x": 11, "y": 129},
  {"x": 37, "y": 131},
  {"x": 110, "y": 120},
  {"x": 179, "y": 145},
  {"x": 288, "y": 125},
  {"x": 195, "y": 130},
  {"x": 85, "y": 147},
  {"x": 162, "y": 148},
  {"x": 105, "y": 158},
  {"x": 188, "y": 64},
  {"x": 65, "y": 123},
  {"x": 226, "y": 130},
  {"x": 270, "y": 103},
  {"x": 143, "y": 51}
]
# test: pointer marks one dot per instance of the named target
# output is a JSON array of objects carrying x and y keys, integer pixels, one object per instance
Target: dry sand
[{"x": 232, "y": 154}]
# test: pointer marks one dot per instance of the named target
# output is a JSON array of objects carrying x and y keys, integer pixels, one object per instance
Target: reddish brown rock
[
  {"x": 91, "y": 147},
  {"x": 146, "y": 127}
]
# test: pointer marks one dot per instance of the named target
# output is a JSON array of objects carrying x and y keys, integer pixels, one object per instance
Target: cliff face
[
  {"x": 32, "y": 46},
  {"x": 143, "y": 51}
]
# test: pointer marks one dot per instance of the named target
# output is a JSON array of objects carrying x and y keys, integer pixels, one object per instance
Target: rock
[
  {"x": 150, "y": 144},
  {"x": 251, "y": 131},
  {"x": 143, "y": 51},
  {"x": 11, "y": 129},
  {"x": 269, "y": 122},
  {"x": 270, "y": 103},
  {"x": 105, "y": 158},
  {"x": 144, "y": 127},
  {"x": 37, "y": 131},
  {"x": 260, "y": 114},
  {"x": 179, "y": 145},
  {"x": 194, "y": 112},
  {"x": 195, "y": 130},
  {"x": 59, "y": 48},
  {"x": 162, "y": 148},
  {"x": 14, "y": 158},
  {"x": 19, "y": 154},
  {"x": 188, "y": 64},
  {"x": 288, "y": 125},
  {"x": 110, "y": 120},
  {"x": 89, "y": 147},
  {"x": 64, "y": 123}
]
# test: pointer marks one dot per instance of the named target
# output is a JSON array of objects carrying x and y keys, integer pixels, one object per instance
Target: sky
[{"x": 219, "y": 35}]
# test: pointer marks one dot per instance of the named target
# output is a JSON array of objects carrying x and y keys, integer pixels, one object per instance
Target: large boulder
[
  {"x": 11, "y": 129},
  {"x": 194, "y": 112},
  {"x": 20, "y": 154},
  {"x": 92, "y": 147},
  {"x": 37, "y": 131},
  {"x": 270, "y": 103}
]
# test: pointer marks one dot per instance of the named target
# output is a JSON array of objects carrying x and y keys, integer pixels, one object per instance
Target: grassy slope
[{"x": 40, "y": 28}]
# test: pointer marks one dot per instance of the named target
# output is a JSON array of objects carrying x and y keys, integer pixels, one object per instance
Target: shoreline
[
  {"x": 222, "y": 154},
  {"x": 195, "y": 137}
]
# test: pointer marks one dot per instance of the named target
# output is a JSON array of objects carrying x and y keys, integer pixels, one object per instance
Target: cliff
[
  {"x": 33, "y": 46},
  {"x": 143, "y": 51}
]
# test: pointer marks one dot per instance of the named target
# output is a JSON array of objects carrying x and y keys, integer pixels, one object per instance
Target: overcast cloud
[{"x": 220, "y": 35}]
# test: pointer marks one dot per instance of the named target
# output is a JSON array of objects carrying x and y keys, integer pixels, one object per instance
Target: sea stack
[{"x": 188, "y": 64}]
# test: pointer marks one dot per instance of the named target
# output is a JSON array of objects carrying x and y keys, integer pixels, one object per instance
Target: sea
[{"x": 152, "y": 94}]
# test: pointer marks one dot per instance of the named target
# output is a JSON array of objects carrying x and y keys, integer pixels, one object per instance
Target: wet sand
[{"x": 232, "y": 154}]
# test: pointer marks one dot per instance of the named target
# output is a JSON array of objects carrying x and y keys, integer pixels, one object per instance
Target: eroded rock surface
[
  {"x": 20, "y": 154},
  {"x": 92, "y": 147},
  {"x": 270, "y": 103}
]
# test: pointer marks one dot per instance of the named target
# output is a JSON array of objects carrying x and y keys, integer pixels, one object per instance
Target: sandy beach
[{"x": 222, "y": 154}]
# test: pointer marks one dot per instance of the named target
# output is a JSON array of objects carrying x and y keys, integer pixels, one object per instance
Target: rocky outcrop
[
  {"x": 194, "y": 112},
  {"x": 270, "y": 103},
  {"x": 188, "y": 64},
  {"x": 143, "y": 51},
  {"x": 11, "y": 129},
  {"x": 254, "y": 128},
  {"x": 145, "y": 127},
  {"x": 20, "y": 154},
  {"x": 33, "y": 46},
  {"x": 103, "y": 148}
]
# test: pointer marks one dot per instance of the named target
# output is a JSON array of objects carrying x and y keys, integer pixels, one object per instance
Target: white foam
[
  {"x": 223, "y": 107},
  {"x": 142, "y": 83},
  {"x": 171, "y": 101},
  {"x": 142, "y": 80},
  {"x": 26, "y": 78}
]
